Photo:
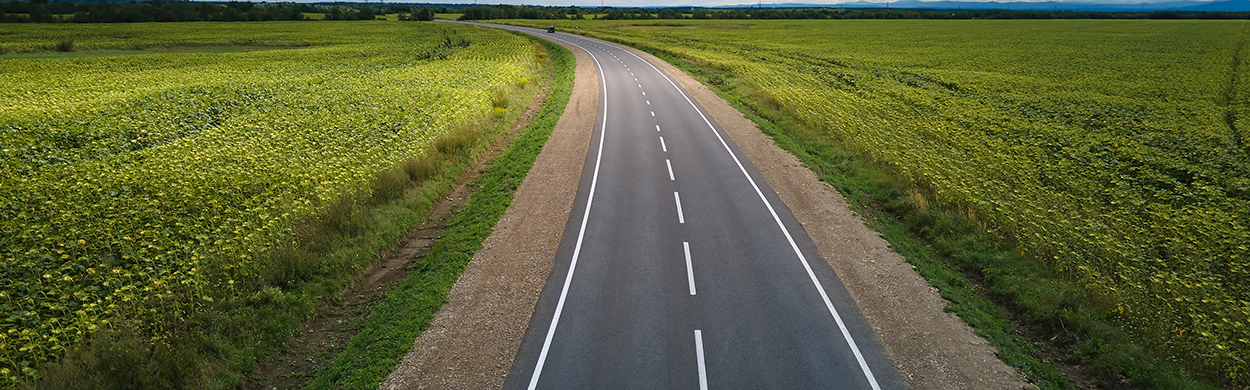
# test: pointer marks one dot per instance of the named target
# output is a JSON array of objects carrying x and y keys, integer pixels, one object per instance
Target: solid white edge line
[
  {"x": 681, "y": 218},
  {"x": 689, "y": 267},
  {"x": 670, "y": 169},
  {"x": 872, "y": 380},
  {"x": 698, "y": 347},
  {"x": 581, "y": 234}
]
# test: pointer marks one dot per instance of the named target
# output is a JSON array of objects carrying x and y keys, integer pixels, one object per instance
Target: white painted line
[
  {"x": 581, "y": 234},
  {"x": 681, "y": 218},
  {"x": 657, "y": 127},
  {"x": 644, "y": 93},
  {"x": 863, "y": 365},
  {"x": 689, "y": 267},
  {"x": 648, "y": 102},
  {"x": 670, "y": 169},
  {"x": 652, "y": 113},
  {"x": 639, "y": 85},
  {"x": 698, "y": 347},
  {"x": 663, "y": 146}
]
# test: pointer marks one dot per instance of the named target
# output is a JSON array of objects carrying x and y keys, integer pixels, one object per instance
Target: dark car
[{"x": 551, "y": 29}]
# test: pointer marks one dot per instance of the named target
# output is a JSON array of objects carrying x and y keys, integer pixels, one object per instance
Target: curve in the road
[{"x": 626, "y": 320}]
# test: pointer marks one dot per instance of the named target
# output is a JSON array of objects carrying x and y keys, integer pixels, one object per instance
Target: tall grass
[
  {"x": 407, "y": 311},
  {"x": 982, "y": 273},
  {"x": 220, "y": 346}
]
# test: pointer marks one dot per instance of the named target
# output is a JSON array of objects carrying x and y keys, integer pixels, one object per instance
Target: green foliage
[
  {"x": 137, "y": 191},
  {"x": 176, "y": 11},
  {"x": 65, "y": 46},
  {"x": 458, "y": 142},
  {"x": 1109, "y": 152},
  {"x": 422, "y": 168},
  {"x": 375, "y": 351}
]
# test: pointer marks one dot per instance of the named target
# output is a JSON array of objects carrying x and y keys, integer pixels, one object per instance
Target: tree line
[
  {"x": 539, "y": 12},
  {"x": 43, "y": 11}
]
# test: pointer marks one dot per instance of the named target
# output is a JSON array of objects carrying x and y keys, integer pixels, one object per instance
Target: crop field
[
  {"x": 1116, "y": 151},
  {"x": 143, "y": 170}
]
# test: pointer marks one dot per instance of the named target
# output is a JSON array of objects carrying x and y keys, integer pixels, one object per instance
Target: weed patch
[
  {"x": 1016, "y": 302},
  {"x": 396, "y": 322}
]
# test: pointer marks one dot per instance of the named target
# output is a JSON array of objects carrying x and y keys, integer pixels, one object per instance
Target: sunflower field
[
  {"x": 144, "y": 167},
  {"x": 1118, "y": 152}
]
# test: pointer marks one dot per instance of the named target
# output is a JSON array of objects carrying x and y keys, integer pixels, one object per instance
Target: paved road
[{"x": 680, "y": 267}]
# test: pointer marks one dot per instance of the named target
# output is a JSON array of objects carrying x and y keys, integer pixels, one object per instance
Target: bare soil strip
[
  {"x": 473, "y": 339},
  {"x": 932, "y": 348},
  {"x": 325, "y": 334}
]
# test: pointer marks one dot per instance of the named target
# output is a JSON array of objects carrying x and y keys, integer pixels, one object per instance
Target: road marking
[
  {"x": 644, "y": 93},
  {"x": 681, "y": 218},
  {"x": 648, "y": 102},
  {"x": 698, "y": 347},
  {"x": 662, "y": 145},
  {"x": 581, "y": 234},
  {"x": 863, "y": 365},
  {"x": 670, "y": 169},
  {"x": 652, "y": 113},
  {"x": 689, "y": 267},
  {"x": 657, "y": 127}
]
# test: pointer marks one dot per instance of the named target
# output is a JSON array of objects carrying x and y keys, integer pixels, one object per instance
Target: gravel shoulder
[
  {"x": 473, "y": 339},
  {"x": 931, "y": 348}
]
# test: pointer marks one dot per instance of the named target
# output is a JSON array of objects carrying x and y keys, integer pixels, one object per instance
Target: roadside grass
[
  {"x": 397, "y": 321},
  {"x": 73, "y": 53},
  {"x": 220, "y": 344},
  {"x": 1039, "y": 320}
]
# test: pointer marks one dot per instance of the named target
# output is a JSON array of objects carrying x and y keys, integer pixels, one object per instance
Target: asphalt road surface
[{"x": 680, "y": 268}]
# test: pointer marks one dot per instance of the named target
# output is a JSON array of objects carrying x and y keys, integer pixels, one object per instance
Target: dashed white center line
[
  {"x": 663, "y": 146},
  {"x": 670, "y": 169},
  {"x": 644, "y": 93},
  {"x": 689, "y": 267},
  {"x": 648, "y": 102},
  {"x": 657, "y": 127},
  {"x": 681, "y": 218},
  {"x": 846, "y": 334},
  {"x": 652, "y": 113},
  {"x": 698, "y": 347}
]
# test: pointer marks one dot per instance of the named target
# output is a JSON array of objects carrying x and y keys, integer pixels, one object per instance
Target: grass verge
[
  {"x": 1041, "y": 321},
  {"x": 221, "y": 343},
  {"x": 396, "y": 322}
]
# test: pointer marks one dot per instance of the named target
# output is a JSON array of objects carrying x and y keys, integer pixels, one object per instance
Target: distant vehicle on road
[{"x": 551, "y": 29}]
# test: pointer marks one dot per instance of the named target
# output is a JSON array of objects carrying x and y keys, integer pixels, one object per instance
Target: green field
[
  {"x": 1118, "y": 152},
  {"x": 144, "y": 171}
]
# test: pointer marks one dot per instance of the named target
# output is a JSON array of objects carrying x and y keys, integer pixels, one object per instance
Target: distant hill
[
  {"x": 1210, "y": 6},
  {"x": 1230, "y": 6}
]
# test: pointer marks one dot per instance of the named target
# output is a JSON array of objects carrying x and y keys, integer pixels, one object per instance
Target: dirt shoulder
[
  {"x": 472, "y": 340},
  {"x": 932, "y": 348}
]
